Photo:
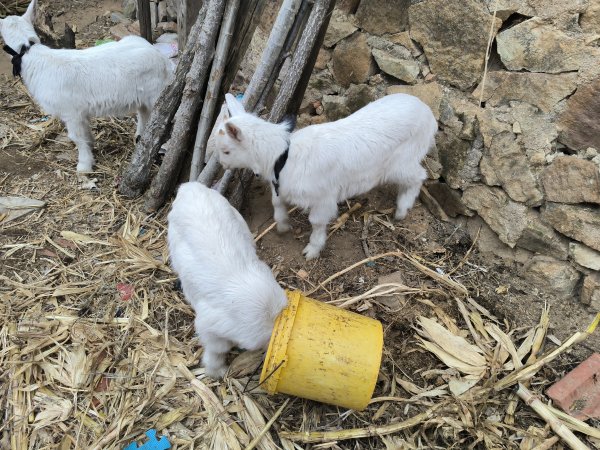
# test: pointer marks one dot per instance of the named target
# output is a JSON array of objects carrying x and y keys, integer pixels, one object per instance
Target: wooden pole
[
  {"x": 318, "y": 19},
  {"x": 187, "y": 113},
  {"x": 277, "y": 38},
  {"x": 214, "y": 85},
  {"x": 187, "y": 13},
  {"x": 143, "y": 12},
  {"x": 137, "y": 175}
]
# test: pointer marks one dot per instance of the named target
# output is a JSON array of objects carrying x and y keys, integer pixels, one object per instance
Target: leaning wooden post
[
  {"x": 143, "y": 13},
  {"x": 318, "y": 19},
  {"x": 177, "y": 145},
  {"x": 187, "y": 12},
  {"x": 136, "y": 177},
  {"x": 277, "y": 38},
  {"x": 214, "y": 85}
]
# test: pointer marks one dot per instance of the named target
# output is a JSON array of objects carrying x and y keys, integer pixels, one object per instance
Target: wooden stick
[
  {"x": 547, "y": 444},
  {"x": 317, "y": 19},
  {"x": 166, "y": 178},
  {"x": 214, "y": 84},
  {"x": 299, "y": 23},
  {"x": 557, "y": 426},
  {"x": 267, "y": 426},
  {"x": 143, "y": 8},
  {"x": 281, "y": 28},
  {"x": 137, "y": 175},
  {"x": 327, "y": 436},
  {"x": 298, "y": 94}
]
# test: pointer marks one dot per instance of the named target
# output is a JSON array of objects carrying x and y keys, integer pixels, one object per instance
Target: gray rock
[
  {"x": 590, "y": 19},
  {"x": 590, "y": 291},
  {"x": 506, "y": 217},
  {"x": 538, "y": 130},
  {"x": 579, "y": 125},
  {"x": 584, "y": 256},
  {"x": 430, "y": 93},
  {"x": 347, "y": 6},
  {"x": 335, "y": 107},
  {"x": 572, "y": 180},
  {"x": 339, "y": 28},
  {"x": 163, "y": 15},
  {"x": 449, "y": 199},
  {"x": 130, "y": 9},
  {"x": 504, "y": 164},
  {"x": 172, "y": 8},
  {"x": 537, "y": 46},
  {"x": 490, "y": 245},
  {"x": 551, "y": 275},
  {"x": 323, "y": 59},
  {"x": 459, "y": 158},
  {"x": 454, "y": 36},
  {"x": 404, "y": 69},
  {"x": 539, "y": 89},
  {"x": 117, "y": 17},
  {"x": 359, "y": 95},
  {"x": 577, "y": 222},
  {"x": 383, "y": 16},
  {"x": 540, "y": 8},
  {"x": 352, "y": 61},
  {"x": 537, "y": 237}
]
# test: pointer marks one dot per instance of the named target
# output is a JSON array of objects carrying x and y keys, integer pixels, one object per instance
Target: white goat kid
[
  {"x": 234, "y": 294},
  {"x": 384, "y": 142},
  {"x": 116, "y": 78}
]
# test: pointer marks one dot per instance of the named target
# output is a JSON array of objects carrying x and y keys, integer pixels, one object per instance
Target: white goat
[
  {"x": 328, "y": 163},
  {"x": 234, "y": 294},
  {"x": 74, "y": 85}
]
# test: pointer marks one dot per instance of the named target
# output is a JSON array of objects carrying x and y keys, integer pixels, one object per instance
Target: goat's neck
[{"x": 269, "y": 156}]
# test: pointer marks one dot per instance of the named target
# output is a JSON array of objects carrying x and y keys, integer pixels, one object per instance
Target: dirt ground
[{"x": 38, "y": 161}]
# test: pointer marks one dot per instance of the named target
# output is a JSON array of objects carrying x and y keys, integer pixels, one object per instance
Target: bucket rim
[{"x": 276, "y": 356}]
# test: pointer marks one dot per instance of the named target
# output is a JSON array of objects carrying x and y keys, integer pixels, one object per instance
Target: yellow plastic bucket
[{"x": 323, "y": 353}]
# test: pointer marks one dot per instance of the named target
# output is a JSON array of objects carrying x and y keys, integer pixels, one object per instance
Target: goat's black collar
[
  {"x": 278, "y": 168},
  {"x": 16, "y": 58}
]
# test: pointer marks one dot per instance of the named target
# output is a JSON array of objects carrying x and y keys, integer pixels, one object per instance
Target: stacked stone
[
  {"x": 523, "y": 167},
  {"x": 163, "y": 14}
]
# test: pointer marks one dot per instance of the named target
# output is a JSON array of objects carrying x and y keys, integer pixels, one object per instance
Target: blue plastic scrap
[{"x": 152, "y": 444}]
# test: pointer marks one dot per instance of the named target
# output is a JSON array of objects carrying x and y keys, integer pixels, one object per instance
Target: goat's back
[
  {"x": 206, "y": 233},
  {"x": 352, "y": 155},
  {"x": 111, "y": 79}
]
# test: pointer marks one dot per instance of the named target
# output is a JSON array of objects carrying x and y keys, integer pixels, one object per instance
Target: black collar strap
[
  {"x": 278, "y": 167},
  {"x": 16, "y": 58}
]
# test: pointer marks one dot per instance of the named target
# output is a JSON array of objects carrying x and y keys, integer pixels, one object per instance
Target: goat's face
[
  {"x": 17, "y": 31},
  {"x": 230, "y": 144}
]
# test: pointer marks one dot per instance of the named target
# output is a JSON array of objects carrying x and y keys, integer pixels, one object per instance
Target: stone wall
[{"x": 521, "y": 171}]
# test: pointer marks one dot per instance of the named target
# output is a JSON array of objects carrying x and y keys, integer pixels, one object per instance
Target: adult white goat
[
  {"x": 116, "y": 78},
  {"x": 234, "y": 294},
  {"x": 318, "y": 166}
]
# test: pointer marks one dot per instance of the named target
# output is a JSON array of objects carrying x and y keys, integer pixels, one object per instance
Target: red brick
[{"x": 578, "y": 393}]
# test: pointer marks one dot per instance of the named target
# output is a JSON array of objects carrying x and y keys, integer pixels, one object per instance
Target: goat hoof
[
  {"x": 216, "y": 372},
  {"x": 400, "y": 215},
  {"x": 137, "y": 138},
  {"x": 283, "y": 228},
  {"x": 311, "y": 252}
]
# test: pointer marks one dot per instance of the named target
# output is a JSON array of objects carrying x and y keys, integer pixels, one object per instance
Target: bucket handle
[{"x": 277, "y": 367}]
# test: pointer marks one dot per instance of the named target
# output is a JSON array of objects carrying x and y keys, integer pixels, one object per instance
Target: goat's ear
[
  {"x": 233, "y": 131},
  {"x": 234, "y": 105},
  {"x": 29, "y": 15}
]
